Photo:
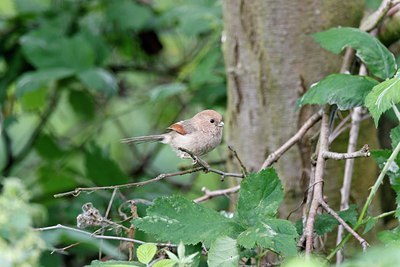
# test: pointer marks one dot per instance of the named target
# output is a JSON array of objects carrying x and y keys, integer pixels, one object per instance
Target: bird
[{"x": 198, "y": 135}]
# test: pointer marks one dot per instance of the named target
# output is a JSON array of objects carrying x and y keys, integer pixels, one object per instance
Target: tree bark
[{"x": 271, "y": 59}]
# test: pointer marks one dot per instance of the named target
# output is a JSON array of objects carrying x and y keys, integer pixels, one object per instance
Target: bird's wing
[{"x": 182, "y": 127}]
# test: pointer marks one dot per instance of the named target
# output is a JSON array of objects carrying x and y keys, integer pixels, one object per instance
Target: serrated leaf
[
  {"x": 34, "y": 80},
  {"x": 259, "y": 197},
  {"x": 274, "y": 234},
  {"x": 178, "y": 219},
  {"x": 223, "y": 253},
  {"x": 100, "y": 80},
  {"x": 164, "y": 263},
  {"x": 345, "y": 91},
  {"x": 382, "y": 96},
  {"x": 395, "y": 136},
  {"x": 113, "y": 263},
  {"x": 370, "y": 50},
  {"x": 390, "y": 237},
  {"x": 370, "y": 224},
  {"x": 146, "y": 252}
]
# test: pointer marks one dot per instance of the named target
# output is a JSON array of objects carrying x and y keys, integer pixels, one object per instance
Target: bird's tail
[{"x": 143, "y": 139}]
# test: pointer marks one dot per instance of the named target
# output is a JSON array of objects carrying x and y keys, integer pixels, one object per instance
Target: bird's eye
[{"x": 212, "y": 120}]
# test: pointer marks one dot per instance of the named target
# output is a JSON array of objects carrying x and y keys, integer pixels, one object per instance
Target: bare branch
[
  {"x": 239, "y": 160},
  {"x": 274, "y": 156},
  {"x": 162, "y": 176},
  {"x": 362, "y": 241},
  {"x": 206, "y": 167},
  {"x": 364, "y": 152},
  {"x": 108, "y": 237},
  {"x": 212, "y": 194}
]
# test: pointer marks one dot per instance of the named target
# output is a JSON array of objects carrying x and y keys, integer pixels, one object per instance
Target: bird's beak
[{"x": 221, "y": 124}]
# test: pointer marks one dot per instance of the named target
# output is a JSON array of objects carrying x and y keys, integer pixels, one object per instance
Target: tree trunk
[{"x": 270, "y": 60}]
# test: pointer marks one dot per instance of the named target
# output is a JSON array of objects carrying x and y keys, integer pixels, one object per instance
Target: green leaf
[
  {"x": 47, "y": 147},
  {"x": 370, "y": 50},
  {"x": 102, "y": 169},
  {"x": 382, "y": 96},
  {"x": 167, "y": 90},
  {"x": 100, "y": 80},
  {"x": 259, "y": 197},
  {"x": 223, "y": 252},
  {"x": 370, "y": 224},
  {"x": 325, "y": 223},
  {"x": 345, "y": 91},
  {"x": 395, "y": 136},
  {"x": 390, "y": 237},
  {"x": 128, "y": 15},
  {"x": 164, "y": 263},
  {"x": 35, "y": 99},
  {"x": 82, "y": 103},
  {"x": 146, "y": 252},
  {"x": 45, "y": 50},
  {"x": 113, "y": 263},
  {"x": 178, "y": 219},
  {"x": 274, "y": 234},
  {"x": 34, "y": 80}
]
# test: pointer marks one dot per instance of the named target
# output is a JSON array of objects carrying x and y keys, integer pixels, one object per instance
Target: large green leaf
[
  {"x": 34, "y": 80},
  {"x": 128, "y": 15},
  {"x": 178, "y": 219},
  {"x": 45, "y": 50},
  {"x": 259, "y": 197},
  {"x": 345, "y": 91},
  {"x": 100, "y": 80},
  {"x": 275, "y": 234},
  {"x": 146, "y": 252},
  {"x": 223, "y": 253},
  {"x": 382, "y": 96},
  {"x": 371, "y": 51},
  {"x": 102, "y": 169}
]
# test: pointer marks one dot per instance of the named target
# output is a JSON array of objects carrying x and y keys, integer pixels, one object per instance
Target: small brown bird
[{"x": 199, "y": 135}]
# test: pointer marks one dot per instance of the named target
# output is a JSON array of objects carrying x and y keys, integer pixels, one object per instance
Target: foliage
[
  {"x": 345, "y": 91},
  {"x": 254, "y": 225},
  {"x": 20, "y": 245},
  {"x": 379, "y": 60}
]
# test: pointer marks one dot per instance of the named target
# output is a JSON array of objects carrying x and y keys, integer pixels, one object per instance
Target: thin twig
[
  {"x": 206, "y": 167},
  {"x": 274, "y": 156},
  {"x": 96, "y": 236},
  {"x": 106, "y": 216},
  {"x": 162, "y": 176},
  {"x": 235, "y": 154},
  {"x": 362, "y": 241},
  {"x": 364, "y": 152},
  {"x": 212, "y": 194}
]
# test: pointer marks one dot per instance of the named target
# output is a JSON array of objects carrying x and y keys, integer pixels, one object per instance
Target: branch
[
  {"x": 318, "y": 179},
  {"x": 274, "y": 156},
  {"x": 162, "y": 176},
  {"x": 212, "y": 194},
  {"x": 362, "y": 241},
  {"x": 235, "y": 154},
  {"x": 364, "y": 152},
  {"x": 60, "y": 226},
  {"x": 373, "y": 20},
  {"x": 206, "y": 167}
]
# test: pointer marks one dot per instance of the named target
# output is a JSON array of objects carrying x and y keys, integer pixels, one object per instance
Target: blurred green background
[{"x": 76, "y": 76}]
